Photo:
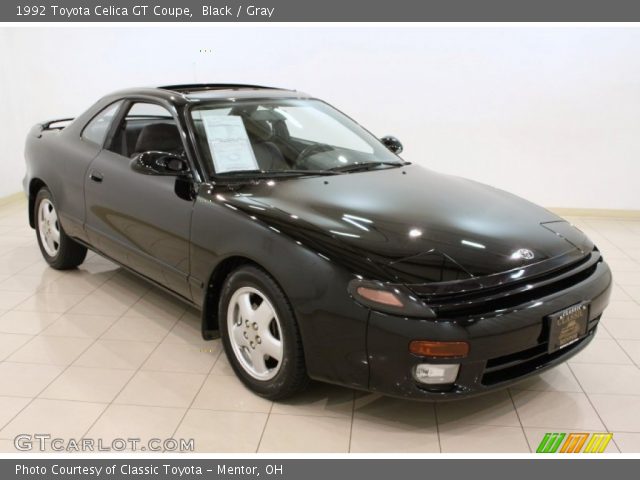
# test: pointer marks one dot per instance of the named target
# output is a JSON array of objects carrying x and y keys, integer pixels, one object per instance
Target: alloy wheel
[
  {"x": 255, "y": 333},
  {"x": 49, "y": 227}
]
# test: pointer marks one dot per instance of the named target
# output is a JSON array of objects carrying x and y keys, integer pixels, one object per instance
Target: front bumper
[{"x": 506, "y": 346}]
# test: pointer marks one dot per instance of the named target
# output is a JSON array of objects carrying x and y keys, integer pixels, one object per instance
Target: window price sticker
[{"x": 229, "y": 143}]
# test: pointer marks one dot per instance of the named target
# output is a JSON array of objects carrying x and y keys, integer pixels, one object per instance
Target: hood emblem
[{"x": 523, "y": 253}]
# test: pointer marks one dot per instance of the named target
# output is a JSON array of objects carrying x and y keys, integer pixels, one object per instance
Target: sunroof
[{"x": 194, "y": 87}]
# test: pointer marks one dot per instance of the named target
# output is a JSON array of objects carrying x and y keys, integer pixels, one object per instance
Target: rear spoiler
[
  {"x": 55, "y": 124},
  {"x": 50, "y": 125}
]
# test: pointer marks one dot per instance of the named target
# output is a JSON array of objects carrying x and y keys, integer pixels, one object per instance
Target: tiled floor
[{"x": 98, "y": 353}]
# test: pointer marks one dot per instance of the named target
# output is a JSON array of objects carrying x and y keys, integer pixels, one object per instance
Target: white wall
[{"x": 552, "y": 114}]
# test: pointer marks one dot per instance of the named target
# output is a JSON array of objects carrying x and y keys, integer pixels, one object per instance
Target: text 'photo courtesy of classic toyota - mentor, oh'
[{"x": 310, "y": 246}]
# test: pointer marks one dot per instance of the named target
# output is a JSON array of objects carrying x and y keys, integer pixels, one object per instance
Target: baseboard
[
  {"x": 16, "y": 197},
  {"x": 595, "y": 212}
]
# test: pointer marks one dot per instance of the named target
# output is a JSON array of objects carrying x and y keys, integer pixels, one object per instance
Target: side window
[
  {"x": 96, "y": 130},
  {"x": 147, "y": 126},
  {"x": 148, "y": 110}
]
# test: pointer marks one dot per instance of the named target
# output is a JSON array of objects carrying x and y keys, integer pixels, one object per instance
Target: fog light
[{"x": 436, "y": 374}]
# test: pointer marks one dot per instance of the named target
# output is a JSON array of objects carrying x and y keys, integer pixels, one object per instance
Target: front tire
[
  {"x": 260, "y": 334},
  {"x": 59, "y": 250}
]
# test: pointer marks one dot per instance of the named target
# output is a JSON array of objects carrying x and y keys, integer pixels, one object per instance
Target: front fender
[{"x": 332, "y": 325}]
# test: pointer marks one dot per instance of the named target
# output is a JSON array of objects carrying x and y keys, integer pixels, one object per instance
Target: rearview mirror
[
  {"x": 160, "y": 163},
  {"x": 392, "y": 144}
]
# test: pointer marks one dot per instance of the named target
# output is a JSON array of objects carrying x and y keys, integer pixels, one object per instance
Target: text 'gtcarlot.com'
[{"x": 47, "y": 443}]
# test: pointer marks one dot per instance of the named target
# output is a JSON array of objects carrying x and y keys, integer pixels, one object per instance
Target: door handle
[{"x": 96, "y": 176}]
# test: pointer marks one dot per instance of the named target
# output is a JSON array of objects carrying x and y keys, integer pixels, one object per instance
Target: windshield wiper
[
  {"x": 275, "y": 173},
  {"x": 304, "y": 172},
  {"x": 361, "y": 167}
]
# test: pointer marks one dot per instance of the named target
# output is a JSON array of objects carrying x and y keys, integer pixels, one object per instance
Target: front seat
[
  {"x": 163, "y": 137},
  {"x": 268, "y": 155}
]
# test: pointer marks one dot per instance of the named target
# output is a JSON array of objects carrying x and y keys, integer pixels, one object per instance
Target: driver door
[{"x": 140, "y": 220}]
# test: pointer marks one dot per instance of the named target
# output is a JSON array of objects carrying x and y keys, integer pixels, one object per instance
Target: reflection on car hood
[{"x": 411, "y": 223}]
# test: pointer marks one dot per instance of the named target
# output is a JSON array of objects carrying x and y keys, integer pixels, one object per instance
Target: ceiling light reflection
[
  {"x": 469, "y": 243},
  {"x": 357, "y": 221},
  {"x": 345, "y": 234},
  {"x": 517, "y": 274}
]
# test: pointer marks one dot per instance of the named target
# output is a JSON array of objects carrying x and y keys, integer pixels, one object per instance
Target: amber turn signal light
[
  {"x": 427, "y": 348},
  {"x": 379, "y": 296}
]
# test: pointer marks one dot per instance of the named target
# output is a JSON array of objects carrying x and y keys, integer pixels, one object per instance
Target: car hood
[{"x": 411, "y": 223}]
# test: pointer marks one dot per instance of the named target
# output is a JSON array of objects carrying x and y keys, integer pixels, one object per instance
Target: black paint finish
[{"x": 446, "y": 241}]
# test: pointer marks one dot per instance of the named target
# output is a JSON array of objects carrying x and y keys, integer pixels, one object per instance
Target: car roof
[{"x": 196, "y": 92}]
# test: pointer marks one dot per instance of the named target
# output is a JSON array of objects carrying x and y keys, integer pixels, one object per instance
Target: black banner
[
  {"x": 318, "y": 469},
  {"x": 320, "y": 11}
]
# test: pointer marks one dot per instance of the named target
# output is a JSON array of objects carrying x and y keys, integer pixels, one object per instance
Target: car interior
[
  {"x": 268, "y": 134},
  {"x": 140, "y": 134},
  {"x": 143, "y": 131},
  {"x": 148, "y": 127}
]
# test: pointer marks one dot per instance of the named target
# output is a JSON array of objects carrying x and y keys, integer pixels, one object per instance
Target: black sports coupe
[{"x": 310, "y": 246}]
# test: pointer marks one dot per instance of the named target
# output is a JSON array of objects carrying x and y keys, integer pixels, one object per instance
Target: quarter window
[
  {"x": 96, "y": 130},
  {"x": 143, "y": 110}
]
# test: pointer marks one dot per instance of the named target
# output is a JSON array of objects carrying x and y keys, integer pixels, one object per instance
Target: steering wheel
[{"x": 311, "y": 150}]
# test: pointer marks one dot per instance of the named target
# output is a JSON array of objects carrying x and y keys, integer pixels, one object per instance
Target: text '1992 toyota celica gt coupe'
[{"x": 310, "y": 247}]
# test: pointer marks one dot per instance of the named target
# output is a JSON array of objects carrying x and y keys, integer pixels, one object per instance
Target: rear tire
[
  {"x": 59, "y": 250},
  {"x": 260, "y": 334}
]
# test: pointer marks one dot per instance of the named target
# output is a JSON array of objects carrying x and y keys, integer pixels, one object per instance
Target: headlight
[{"x": 388, "y": 298}]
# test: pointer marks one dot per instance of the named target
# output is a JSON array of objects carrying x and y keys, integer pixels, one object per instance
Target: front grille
[
  {"x": 514, "y": 365},
  {"x": 515, "y": 293}
]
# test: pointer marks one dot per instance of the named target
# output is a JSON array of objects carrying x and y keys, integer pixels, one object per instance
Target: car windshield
[{"x": 284, "y": 136}]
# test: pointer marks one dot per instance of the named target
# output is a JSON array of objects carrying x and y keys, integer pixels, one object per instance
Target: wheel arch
[
  {"x": 210, "y": 321},
  {"x": 35, "y": 185}
]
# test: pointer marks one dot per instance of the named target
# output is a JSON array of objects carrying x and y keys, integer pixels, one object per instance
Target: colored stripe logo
[{"x": 574, "y": 442}]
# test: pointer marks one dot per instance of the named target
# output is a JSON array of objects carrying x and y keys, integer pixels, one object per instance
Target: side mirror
[
  {"x": 155, "y": 162},
  {"x": 392, "y": 144}
]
